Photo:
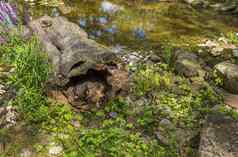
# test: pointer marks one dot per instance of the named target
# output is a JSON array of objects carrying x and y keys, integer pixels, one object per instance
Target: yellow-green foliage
[
  {"x": 218, "y": 79},
  {"x": 233, "y": 37},
  {"x": 149, "y": 78}
]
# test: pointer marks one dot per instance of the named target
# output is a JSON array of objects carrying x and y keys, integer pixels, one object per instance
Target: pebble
[
  {"x": 235, "y": 52},
  {"x": 55, "y": 150},
  {"x": 155, "y": 58},
  {"x": 165, "y": 123},
  {"x": 26, "y": 153}
]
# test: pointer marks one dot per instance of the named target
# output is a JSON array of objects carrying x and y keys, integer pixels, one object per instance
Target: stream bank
[{"x": 173, "y": 106}]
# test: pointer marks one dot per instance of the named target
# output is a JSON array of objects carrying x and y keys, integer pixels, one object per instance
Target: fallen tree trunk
[{"x": 85, "y": 71}]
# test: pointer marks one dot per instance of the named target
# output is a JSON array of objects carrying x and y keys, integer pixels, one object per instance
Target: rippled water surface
[{"x": 137, "y": 24}]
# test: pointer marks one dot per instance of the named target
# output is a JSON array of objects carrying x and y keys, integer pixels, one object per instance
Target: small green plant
[
  {"x": 219, "y": 81},
  {"x": 168, "y": 54},
  {"x": 118, "y": 106},
  {"x": 227, "y": 111},
  {"x": 232, "y": 37},
  {"x": 151, "y": 78},
  {"x": 32, "y": 104},
  {"x": 147, "y": 117},
  {"x": 111, "y": 139},
  {"x": 146, "y": 79}
]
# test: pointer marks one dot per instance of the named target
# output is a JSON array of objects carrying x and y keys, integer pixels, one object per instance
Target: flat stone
[{"x": 219, "y": 137}]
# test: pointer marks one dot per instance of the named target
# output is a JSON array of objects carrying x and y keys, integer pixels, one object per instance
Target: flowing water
[{"x": 138, "y": 24}]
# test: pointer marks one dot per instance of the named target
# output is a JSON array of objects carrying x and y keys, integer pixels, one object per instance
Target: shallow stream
[{"x": 136, "y": 24}]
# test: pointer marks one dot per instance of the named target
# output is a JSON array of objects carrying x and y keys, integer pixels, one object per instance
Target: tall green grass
[{"x": 29, "y": 76}]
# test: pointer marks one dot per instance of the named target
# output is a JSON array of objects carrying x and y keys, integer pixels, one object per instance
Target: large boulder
[
  {"x": 82, "y": 68},
  {"x": 219, "y": 137},
  {"x": 229, "y": 73}
]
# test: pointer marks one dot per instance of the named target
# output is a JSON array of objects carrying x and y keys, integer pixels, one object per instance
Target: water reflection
[
  {"x": 139, "y": 33},
  {"x": 112, "y": 30},
  {"x": 82, "y": 22},
  {"x": 103, "y": 20},
  {"x": 55, "y": 12},
  {"x": 109, "y": 7},
  {"x": 139, "y": 25}
]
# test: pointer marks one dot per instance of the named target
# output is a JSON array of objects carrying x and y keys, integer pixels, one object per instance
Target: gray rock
[
  {"x": 229, "y": 72},
  {"x": 219, "y": 137},
  {"x": 187, "y": 64},
  {"x": 162, "y": 138},
  {"x": 155, "y": 58},
  {"x": 165, "y": 123}
]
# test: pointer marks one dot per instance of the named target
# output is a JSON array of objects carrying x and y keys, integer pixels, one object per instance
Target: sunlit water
[{"x": 138, "y": 25}]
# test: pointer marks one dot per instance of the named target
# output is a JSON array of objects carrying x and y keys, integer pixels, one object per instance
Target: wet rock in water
[
  {"x": 85, "y": 71},
  {"x": 187, "y": 64},
  {"x": 229, "y": 73},
  {"x": 219, "y": 137}
]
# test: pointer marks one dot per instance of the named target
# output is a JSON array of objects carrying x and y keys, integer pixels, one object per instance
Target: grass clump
[
  {"x": 31, "y": 67},
  {"x": 168, "y": 54},
  {"x": 29, "y": 76}
]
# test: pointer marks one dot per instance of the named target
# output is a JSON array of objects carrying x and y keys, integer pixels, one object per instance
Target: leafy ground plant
[
  {"x": 120, "y": 128},
  {"x": 233, "y": 37}
]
